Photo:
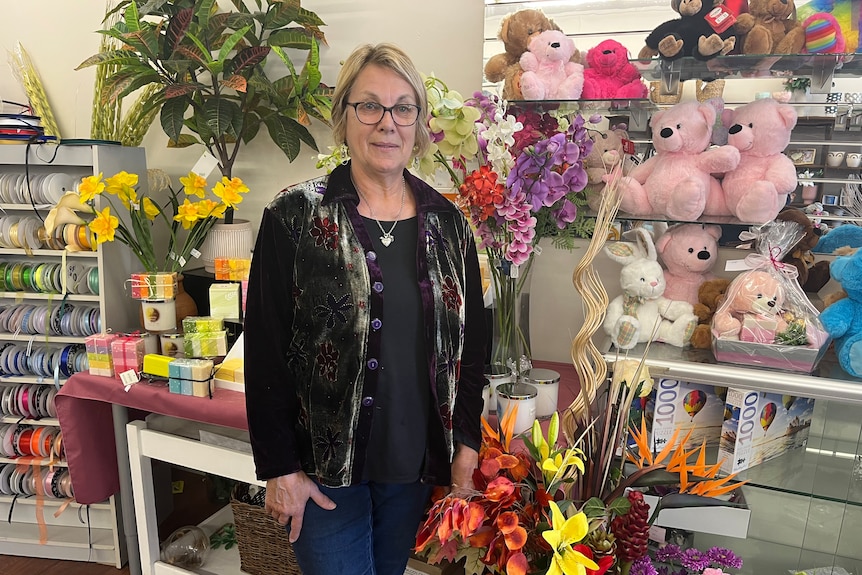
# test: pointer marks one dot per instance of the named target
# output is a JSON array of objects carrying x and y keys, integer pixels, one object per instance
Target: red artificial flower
[
  {"x": 604, "y": 562},
  {"x": 481, "y": 192}
]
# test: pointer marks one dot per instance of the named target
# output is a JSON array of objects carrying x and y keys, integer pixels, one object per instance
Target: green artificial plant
[{"x": 209, "y": 64}]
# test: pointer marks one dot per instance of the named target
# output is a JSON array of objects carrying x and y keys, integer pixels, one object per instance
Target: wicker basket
[
  {"x": 264, "y": 548},
  {"x": 657, "y": 97},
  {"x": 703, "y": 91}
]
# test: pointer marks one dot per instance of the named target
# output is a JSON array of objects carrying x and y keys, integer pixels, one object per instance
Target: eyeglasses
[{"x": 371, "y": 113}]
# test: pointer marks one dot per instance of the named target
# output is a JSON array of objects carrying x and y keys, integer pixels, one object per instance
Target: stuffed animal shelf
[
  {"x": 679, "y": 180},
  {"x": 549, "y": 74},
  {"x": 690, "y": 34},
  {"x": 689, "y": 252},
  {"x": 843, "y": 319},
  {"x": 642, "y": 313},
  {"x": 516, "y": 31},
  {"x": 609, "y": 74},
  {"x": 757, "y": 189}
]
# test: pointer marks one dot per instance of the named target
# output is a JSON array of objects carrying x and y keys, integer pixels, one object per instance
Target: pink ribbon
[{"x": 773, "y": 259}]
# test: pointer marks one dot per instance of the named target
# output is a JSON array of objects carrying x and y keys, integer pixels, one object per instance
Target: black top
[{"x": 396, "y": 448}]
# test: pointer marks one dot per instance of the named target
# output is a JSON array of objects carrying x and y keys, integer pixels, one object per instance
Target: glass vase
[{"x": 510, "y": 346}]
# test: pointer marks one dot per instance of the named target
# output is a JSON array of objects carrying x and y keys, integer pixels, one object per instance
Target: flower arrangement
[
  {"x": 568, "y": 507},
  {"x": 672, "y": 560},
  {"x": 128, "y": 215}
]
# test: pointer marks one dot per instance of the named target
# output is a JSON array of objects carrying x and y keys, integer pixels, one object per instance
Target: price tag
[
  {"x": 205, "y": 165},
  {"x": 129, "y": 378},
  {"x": 195, "y": 254},
  {"x": 628, "y": 147},
  {"x": 736, "y": 266},
  {"x": 720, "y": 18},
  {"x": 658, "y": 534}
]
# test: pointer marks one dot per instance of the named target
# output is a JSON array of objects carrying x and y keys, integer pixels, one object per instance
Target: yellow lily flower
[
  {"x": 194, "y": 185},
  {"x": 104, "y": 226},
  {"x": 555, "y": 468},
  {"x": 563, "y": 534},
  {"x": 90, "y": 187}
]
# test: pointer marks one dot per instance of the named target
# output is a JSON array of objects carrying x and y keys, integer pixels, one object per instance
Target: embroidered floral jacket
[{"x": 313, "y": 329}]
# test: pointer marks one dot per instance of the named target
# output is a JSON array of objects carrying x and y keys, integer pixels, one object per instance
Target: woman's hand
[
  {"x": 465, "y": 461},
  {"x": 287, "y": 496}
]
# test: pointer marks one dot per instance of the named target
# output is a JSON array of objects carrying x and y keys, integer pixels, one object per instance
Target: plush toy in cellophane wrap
[{"x": 766, "y": 319}]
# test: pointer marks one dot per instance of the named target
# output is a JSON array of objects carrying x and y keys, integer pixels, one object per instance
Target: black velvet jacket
[{"x": 313, "y": 323}]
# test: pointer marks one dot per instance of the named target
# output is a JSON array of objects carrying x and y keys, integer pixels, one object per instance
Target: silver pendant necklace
[{"x": 387, "y": 237}]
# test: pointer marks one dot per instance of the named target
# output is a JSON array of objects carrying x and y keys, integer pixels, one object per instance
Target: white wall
[{"x": 444, "y": 37}]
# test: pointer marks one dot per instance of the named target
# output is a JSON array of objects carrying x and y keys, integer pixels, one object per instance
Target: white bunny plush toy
[{"x": 642, "y": 314}]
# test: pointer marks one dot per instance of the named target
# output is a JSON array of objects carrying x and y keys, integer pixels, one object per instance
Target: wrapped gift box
[
  {"x": 225, "y": 300},
  {"x": 190, "y": 377},
  {"x": 760, "y": 426},
  {"x": 202, "y": 324},
  {"x": 127, "y": 353},
  {"x": 209, "y": 344},
  {"x": 99, "y": 358},
  {"x": 232, "y": 269},
  {"x": 161, "y": 286}
]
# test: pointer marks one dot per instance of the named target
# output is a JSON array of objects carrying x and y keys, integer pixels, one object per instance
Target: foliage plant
[
  {"x": 129, "y": 215},
  {"x": 211, "y": 69},
  {"x": 797, "y": 84}
]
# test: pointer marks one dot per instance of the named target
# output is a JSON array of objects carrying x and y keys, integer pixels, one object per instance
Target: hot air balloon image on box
[
  {"x": 767, "y": 416},
  {"x": 763, "y": 426},
  {"x": 694, "y": 402},
  {"x": 687, "y": 407}
]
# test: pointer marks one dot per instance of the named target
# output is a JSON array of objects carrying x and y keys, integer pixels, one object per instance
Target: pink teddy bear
[
  {"x": 610, "y": 74},
  {"x": 689, "y": 252},
  {"x": 548, "y": 73},
  {"x": 757, "y": 189},
  {"x": 678, "y": 180}
]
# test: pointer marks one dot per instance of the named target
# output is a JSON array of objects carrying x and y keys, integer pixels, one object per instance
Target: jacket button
[
  {"x": 371, "y": 256},
  {"x": 367, "y": 401},
  {"x": 376, "y": 323},
  {"x": 377, "y": 286},
  {"x": 372, "y": 364}
]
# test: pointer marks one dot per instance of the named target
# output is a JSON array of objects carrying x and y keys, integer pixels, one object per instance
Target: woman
[{"x": 364, "y": 335}]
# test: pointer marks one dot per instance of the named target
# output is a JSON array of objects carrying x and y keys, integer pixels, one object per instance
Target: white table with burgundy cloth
[{"x": 107, "y": 454}]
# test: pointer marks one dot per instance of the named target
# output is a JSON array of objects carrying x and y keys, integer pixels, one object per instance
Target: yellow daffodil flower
[
  {"x": 207, "y": 208},
  {"x": 230, "y": 191},
  {"x": 563, "y": 534},
  {"x": 120, "y": 181},
  {"x": 194, "y": 185},
  {"x": 151, "y": 210},
  {"x": 90, "y": 187},
  {"x": 187, "y": 214},
  {"x": 104, "y": 225},
  {"x": 128, "y": 196}
]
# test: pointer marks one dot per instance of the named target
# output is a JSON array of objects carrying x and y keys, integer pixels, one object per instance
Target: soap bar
[
  {"x": 202, "y": 324},
  {"x": 224, "y": 300},
  {"x": 158, "y": 365},
  {"x": 154, "y": 286}
]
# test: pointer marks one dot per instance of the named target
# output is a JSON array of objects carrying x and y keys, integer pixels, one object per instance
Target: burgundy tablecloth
[{"x": 84, "y": 411}]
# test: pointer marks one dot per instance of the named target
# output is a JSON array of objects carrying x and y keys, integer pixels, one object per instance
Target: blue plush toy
[
  {"x": 843, "y": 319},
  {"x": 847, "y": 235}
]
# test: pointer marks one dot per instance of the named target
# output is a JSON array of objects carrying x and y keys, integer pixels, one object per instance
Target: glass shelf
[
  {"x": 819, "y": 67},
  {"x": 827, "y": 381}
]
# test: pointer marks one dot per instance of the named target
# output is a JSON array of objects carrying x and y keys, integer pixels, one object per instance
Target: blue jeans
[{"x": 370, "y": 532}]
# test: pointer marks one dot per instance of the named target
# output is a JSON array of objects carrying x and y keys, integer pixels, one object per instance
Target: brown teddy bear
[
  {"x": 770, "y": 27},
  {"x": 812, "y": 276},
  {"x": 710, "y": 296},
  {"x": 606, "y": 155},
  {"x": 516, "y": 31}
]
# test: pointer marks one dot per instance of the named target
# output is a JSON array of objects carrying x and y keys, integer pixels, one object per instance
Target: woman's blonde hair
[{"x": 392, "y": 58}]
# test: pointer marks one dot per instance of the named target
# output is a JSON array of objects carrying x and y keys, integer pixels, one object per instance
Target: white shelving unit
[{"x": 92, "y": 533}]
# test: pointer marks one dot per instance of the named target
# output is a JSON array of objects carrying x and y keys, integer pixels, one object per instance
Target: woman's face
[{"x": 384, "y": 147}]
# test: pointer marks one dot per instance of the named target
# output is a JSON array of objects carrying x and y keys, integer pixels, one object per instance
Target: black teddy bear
[{"x": 689, "y": 35}]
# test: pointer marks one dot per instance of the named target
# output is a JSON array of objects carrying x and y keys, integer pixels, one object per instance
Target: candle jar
[
  {"x": 547, "y": 384},
  {"x": 496, "y": 375},
  {"x": 159, "y": 315},
  {"x": 521, "y": 395},
  {"x": 486, "y": 396}
]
